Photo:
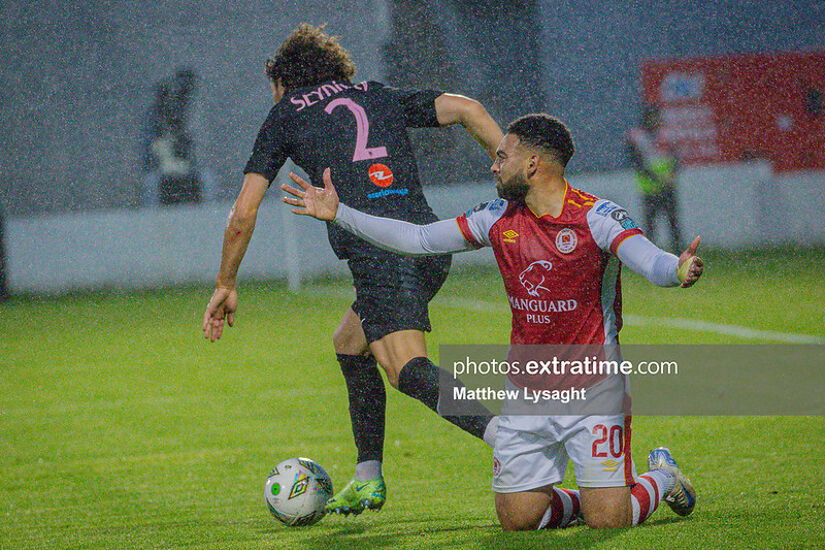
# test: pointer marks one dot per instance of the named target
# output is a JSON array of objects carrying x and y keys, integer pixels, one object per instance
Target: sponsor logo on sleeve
[
  {"x": 477, "y": 208},
  {"x": 491, "y": 206},
  {"x": 606, "y": 208},
  {"x": 566, "y": 240},
  {"x": 496, "y": 205},
  {"x": 624, "y": 219}
]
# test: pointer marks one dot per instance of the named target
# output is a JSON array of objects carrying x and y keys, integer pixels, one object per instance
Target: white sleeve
[
  {"x": 610, "y": 225},
  {"x": 475, "y": 224},
  {"x": 650, "y": 261},
  {"x": 442, "y": 237}
]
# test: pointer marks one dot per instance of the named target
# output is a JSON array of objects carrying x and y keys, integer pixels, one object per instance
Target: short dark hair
[
  {"x": 545, "y": 132},
  {"x": 309, "y": 56}
]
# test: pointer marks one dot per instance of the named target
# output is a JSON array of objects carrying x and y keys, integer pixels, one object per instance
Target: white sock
[
  {"x": 490, "y": 432},
  {"x": 367, "y": 470}
]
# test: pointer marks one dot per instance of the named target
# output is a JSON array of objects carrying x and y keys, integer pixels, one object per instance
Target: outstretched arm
[
  {"x": 443, "y": 237},
  {"x": 238, "y": 233},
  {"x": 454, "y": 109},
  {"x": 658, "y": 266}
]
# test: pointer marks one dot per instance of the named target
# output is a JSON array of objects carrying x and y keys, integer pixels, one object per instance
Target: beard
[{"x": 514, "y": 189}]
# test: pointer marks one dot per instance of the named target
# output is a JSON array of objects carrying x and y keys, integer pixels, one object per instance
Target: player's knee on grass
[
  {"x": 520, "y": 511},
  {"x": 606, "y": 507}
]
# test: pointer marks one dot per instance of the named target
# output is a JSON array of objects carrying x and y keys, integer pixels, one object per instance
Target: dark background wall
[{"x": 77, "y": 78}]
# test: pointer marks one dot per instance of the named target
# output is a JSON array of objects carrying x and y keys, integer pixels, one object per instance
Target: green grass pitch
[{"x": 121, "y": 428}]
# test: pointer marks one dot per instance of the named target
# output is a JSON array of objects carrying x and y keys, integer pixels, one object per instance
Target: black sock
[
  {"x": 367, "y": 404},
  {"x": 419, "y": 379}
]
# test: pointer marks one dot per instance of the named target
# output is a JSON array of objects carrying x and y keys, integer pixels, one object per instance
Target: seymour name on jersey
[{"x": 322, "y": 92}]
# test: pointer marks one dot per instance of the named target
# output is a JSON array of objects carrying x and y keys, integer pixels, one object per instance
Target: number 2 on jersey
[{"x": 362, "y": 130}]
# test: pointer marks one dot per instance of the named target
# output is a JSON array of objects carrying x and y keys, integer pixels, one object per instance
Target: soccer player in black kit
[{"x": 322, "y": 118}]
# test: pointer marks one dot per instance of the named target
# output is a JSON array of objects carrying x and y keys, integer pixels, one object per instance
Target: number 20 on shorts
[{"x": 611, "y": 440}]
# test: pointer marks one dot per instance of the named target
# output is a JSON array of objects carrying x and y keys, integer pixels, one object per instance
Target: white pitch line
[
  {"x": 738, "y": 331},
  {"x": 720, "y": 328},
  {"x": 670, "y": 322}
]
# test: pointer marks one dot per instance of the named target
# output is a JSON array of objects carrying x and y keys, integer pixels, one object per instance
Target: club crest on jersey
[
  {"x": 566, "y": 240},
  {"x": 380, "y": 175},
  {"x": 535, "y": 276}
]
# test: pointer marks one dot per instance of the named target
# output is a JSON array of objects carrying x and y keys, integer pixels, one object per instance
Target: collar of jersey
[{"x": 563, "y": 205}]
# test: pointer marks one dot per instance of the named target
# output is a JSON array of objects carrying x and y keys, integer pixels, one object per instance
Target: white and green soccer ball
[{"x": 297, "y": 490}]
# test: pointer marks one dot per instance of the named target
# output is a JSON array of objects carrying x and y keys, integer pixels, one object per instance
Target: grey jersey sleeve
[
  {"x": 648, "y": 260},
  {"x": 616, "y": 232},
  {"x": 442, "y": 237}
]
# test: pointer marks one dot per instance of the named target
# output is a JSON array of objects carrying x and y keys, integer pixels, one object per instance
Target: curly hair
[
  {"x": 309, "y": 56},
  {"x": 545, "y": 132}
]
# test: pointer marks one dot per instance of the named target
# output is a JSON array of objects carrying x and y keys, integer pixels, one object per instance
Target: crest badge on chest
[{"x": 566, "y": 241}]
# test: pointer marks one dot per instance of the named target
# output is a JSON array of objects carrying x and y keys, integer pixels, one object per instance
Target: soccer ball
[{"x": 296, "y": 491}]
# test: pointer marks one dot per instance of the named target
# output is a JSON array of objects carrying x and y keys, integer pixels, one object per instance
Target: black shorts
[{"x": 392, "y": 291}]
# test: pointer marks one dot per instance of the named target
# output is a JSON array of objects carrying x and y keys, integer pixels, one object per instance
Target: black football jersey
[{"x": 359, "y": 131}]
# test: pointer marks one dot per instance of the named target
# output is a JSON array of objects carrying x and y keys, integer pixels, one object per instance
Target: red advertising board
[{"x": 741, "y": 107}]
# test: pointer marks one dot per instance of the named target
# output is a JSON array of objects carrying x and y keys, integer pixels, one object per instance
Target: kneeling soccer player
[{"x": 578, "y": 243}]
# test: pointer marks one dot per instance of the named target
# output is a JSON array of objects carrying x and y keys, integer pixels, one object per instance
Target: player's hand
[
  {"x": 221, "y": 308},
  {"x": 320, "y": 203},
  {"x": 690, "y": 265}
]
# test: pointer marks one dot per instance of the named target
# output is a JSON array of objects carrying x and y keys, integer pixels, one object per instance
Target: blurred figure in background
[
  {"x": 174, "y": 152},
  {"x": 170, "y": 171},
  {"x": 656, "y": 169},
  {"x": 151, "y": 129}
]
